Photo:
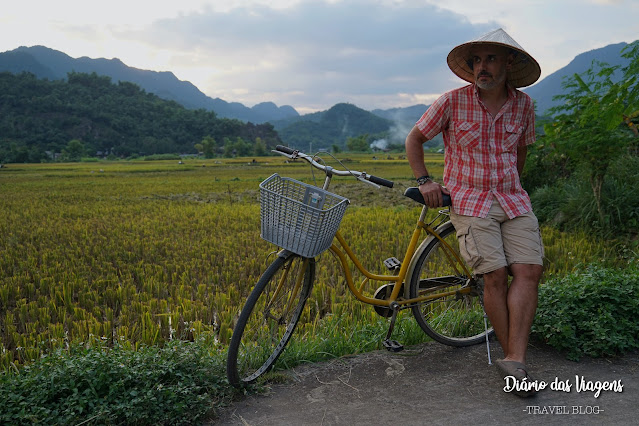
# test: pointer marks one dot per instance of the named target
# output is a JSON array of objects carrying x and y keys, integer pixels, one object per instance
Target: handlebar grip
[
  {"x": 380, "y": 181},
  {"x": 414, "y": 194},
  {"x": 285, "y": 149}
]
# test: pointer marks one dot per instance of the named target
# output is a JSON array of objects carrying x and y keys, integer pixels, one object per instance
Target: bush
[
  {"x": 548, "y": 202},
  {"x": 570, "y": 203},
  {"x": 590, "y": 314},
  {"x": 175, "y": 384},
  {"x": 623, "y": 194}
]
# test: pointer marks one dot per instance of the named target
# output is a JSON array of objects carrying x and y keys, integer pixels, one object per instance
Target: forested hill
[
  {"x": 332, "y": 127},
  {"x": 54, "y": 65},
  {"x": 41, "y": 117}
]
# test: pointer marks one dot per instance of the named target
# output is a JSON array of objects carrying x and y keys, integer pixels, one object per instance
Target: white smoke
[
  {"x": 380, "y": 144},
  {"x": 400, "y": 128},
  {"x": 403, "y": 123},
  {"x": 399, "y": 131}
]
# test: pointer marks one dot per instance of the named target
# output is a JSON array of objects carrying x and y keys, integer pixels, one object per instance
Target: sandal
[{"x": 519, "y": 371}]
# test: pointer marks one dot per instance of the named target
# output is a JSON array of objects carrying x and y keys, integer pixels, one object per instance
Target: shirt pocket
[
  {"x": 512, "y": 134},
  {"x": 467, "y": 133}
]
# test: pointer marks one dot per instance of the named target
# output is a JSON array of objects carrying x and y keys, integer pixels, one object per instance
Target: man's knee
[
  {"x": 496, "y": 280},
  {"x": 527, "y": 272}
]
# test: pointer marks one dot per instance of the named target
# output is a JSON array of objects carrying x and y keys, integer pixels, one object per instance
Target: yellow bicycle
[{"x": 445, "y": 297}]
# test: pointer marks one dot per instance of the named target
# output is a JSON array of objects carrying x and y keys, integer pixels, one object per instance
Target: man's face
[{"x": 490, "y": 64}]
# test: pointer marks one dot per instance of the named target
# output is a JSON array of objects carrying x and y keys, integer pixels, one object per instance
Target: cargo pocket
[
  {"x": 541, "y": 244},
  {"x": 468, "y": 247}
]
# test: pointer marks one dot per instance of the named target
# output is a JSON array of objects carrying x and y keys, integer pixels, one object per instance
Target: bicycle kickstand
[
  {"x": 479, "y": 280},
  {"x": 392, "y": 345}
]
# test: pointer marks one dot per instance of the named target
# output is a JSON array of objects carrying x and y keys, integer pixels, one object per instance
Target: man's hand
[{"x": 432, "y": 193}]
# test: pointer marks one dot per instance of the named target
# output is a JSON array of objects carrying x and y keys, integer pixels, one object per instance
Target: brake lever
[{"x": 368, "y": 182}]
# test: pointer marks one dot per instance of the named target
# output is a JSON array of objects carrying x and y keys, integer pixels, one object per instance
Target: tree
[
  {"x": 595, "y": 124},
  {"x": 259, "y": 149},
  {"x": 358, "y": 144},
  {"x": 74, "y": 150},
  {"x": 207, "y": 146}
]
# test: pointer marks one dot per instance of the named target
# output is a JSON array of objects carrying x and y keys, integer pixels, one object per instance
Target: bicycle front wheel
[
  {"x": 269, "y": 317},
  {"x": 453, "y": 318}
]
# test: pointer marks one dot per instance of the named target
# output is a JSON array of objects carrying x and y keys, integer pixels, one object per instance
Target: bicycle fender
[
  {"x": 284, "y": 254},
  {"x": 411, "y": 266}
]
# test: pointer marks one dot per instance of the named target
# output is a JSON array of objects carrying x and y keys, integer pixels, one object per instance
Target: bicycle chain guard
[{"x": 383, "y": 293}]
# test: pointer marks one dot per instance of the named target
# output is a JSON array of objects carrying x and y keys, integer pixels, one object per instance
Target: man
[{"x": 487, "y": 126}]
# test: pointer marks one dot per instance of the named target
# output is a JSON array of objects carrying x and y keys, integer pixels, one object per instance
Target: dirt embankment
[{"x": 437, "y": 384}]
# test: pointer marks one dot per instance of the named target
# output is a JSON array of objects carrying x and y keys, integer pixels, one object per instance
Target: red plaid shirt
[{"x": 481, "y": 151}]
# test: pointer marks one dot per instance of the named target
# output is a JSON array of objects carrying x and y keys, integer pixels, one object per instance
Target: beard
[{"x": 497, "y": 80}]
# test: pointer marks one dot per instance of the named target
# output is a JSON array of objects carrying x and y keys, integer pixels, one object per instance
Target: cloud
[
  {"x": 312, "y": 54},
  {"x": 554, "y": 32},
  {"x": 315, "y": 53}
]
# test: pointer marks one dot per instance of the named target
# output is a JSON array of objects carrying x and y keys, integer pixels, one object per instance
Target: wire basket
[{"x": 299, "y": 217}]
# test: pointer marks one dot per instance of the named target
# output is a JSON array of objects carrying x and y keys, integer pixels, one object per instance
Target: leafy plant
[
  {"x": 171, "y": 385},
  {"x": 594, "y": 125},
  {"x": 590, "y": 314}
]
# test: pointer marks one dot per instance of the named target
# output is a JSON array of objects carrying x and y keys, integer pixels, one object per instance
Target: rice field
[{"x": 141, "y": 253}]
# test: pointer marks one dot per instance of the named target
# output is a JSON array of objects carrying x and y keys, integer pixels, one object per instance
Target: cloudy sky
[{"x": 312, "y": 54}]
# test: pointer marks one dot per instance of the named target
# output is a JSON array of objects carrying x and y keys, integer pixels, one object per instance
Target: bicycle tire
[
  {"x": 260, "y": 336},
  {"x": 455, "y": 320}
]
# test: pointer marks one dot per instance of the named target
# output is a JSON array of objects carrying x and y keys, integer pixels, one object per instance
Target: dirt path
[{"x": 437, "y": 384}]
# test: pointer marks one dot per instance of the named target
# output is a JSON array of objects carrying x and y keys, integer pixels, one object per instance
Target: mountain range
[
  {"x": 323, "y": 128},
  {"x": 51, "y": 64},
  {"x": 544, "y": 91}
]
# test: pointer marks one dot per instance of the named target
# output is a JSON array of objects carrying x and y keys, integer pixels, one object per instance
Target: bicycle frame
[{"x": 345, "y": 253}]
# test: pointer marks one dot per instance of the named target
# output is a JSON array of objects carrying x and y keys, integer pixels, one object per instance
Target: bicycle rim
[
  {"x": 268, "y": 318},
  {"x": 456, "y": 319}
]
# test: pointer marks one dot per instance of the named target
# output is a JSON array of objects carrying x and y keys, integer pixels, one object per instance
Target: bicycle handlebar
[
  {"x": 285, "y": 149},
  {"x": 381, "y": 181},
  {"x": 293, "y": 154}
]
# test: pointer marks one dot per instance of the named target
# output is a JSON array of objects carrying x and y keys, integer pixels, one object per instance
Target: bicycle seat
[{"x": 414, "y": 194}]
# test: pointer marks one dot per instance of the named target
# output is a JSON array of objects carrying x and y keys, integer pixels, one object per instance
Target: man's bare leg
[
  {"x": 512, "y": 310},
  {"x": 496, "y": 304},
  {"x": 522, "y": 305}
]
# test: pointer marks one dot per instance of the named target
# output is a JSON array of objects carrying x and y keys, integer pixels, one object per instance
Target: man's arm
[
  {"x": 522, "y": 150},
  {"x": 415, "y": 152},
  {"x": 431, "y": 191}
]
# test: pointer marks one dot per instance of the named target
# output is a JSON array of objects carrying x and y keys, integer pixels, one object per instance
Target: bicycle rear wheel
[
  {"x": 269, "y": 317},
  {"x": 455, "y": 319}
]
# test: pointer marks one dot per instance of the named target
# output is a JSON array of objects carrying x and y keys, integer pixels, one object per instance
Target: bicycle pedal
[
  {"x": 393, "y": 345},
  {"x": 392, "y": 263}
]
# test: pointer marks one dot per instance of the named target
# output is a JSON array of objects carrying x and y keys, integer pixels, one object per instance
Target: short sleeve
[{"x": 436, "y": 118}]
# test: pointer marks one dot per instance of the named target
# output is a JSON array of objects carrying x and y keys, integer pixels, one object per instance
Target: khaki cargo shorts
[{"x": 494, "y": 242}]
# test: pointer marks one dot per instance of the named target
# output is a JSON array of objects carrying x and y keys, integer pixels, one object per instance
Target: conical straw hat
[{"x": 524, "y": 71}]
